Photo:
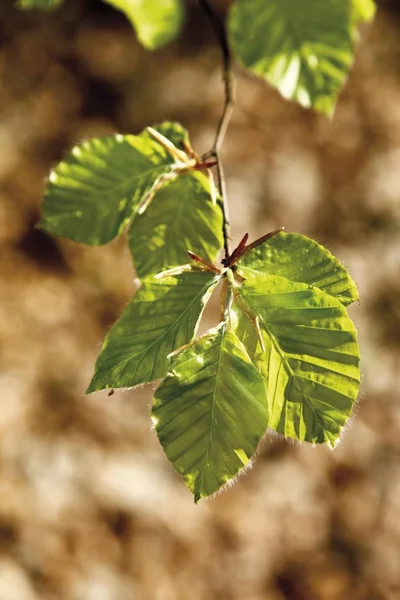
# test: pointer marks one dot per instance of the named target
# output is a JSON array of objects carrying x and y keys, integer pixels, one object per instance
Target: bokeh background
[{"x": 89, "y": 506}]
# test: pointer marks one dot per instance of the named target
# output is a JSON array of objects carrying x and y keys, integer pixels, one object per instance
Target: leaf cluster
[{"x": 284, "y": 354}]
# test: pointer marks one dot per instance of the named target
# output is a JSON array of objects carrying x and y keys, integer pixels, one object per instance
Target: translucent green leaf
[
  {"x": 174, "y": 132},
  {"x": 42, "y": 4},
  {"x": 300, "y": 259},
  {"x": 156, "y": 21},
  {"x": 181, "y": 217},
  {"x": 161, "y": 317},
  {"x": 310, "y": 358},
  {"x": 93, "y": 194},
  {"x": 305, "y": 48},
  {"x": 210, "y": 411},
  {"x": 363, "y": 10}
]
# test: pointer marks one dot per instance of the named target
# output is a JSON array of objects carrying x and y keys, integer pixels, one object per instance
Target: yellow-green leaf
[
  {"x": 304, "y": 48},
  {"x": 94, "y": 192},
  {"x": 181, "y": 217},
  {"x": 300, "y": 259},
  {"x": 156, "y": 22},
  {"x": 309, "y": 356}
]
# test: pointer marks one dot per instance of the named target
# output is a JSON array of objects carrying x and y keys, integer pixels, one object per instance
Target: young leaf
[
  {"x": 42, "y": 4},
  {"x": 210, "y": 411},
  {"x": 94, "y": 192},
  {"x": 305, "y": 48},
  {"x": 298, "y": 258},
  {"x": 181, "y": 217},
  {"x": 311, "y": 357},
  {"x": 156, "y": 21},
  {"x": 161, "y": 317}
]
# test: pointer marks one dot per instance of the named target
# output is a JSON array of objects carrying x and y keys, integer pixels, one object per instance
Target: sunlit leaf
[
  {"x": 161, "y": 317},
  {"x": 174, "y": 132},
  {"x": 94, "y": 192},
  {"x": 210, "y": 411},
  {"x": 298, "y": 258},
  {"x": 363, "y": 10},
  {"x": 156, "y": 22},
  {"x": 310, "y": 358},
  {"x": 181, "y": 217},
  {"x": 304, "y": 48}
]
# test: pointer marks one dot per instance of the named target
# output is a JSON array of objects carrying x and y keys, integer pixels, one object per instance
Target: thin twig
[{"x": 216, "y": 150}]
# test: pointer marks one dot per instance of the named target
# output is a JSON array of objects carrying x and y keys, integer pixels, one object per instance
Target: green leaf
[
  {"x": 210, "y": 411},
  {"x": 93, "y": 194},
  {"x": 304, "y": 48},
  {"x": 161, "y": 317},
  {"x": 181, "y": 217},
  {"x": 363, "y": 10},
  {"x": 298, "y": 258},
  {"x": 310, "y": 358},
  {"x": 157, "y": 22},
  {"x": 42, "y": 4},
  {"x": 174, "y": 132}
]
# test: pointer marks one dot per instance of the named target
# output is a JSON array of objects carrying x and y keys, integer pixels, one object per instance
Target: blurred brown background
[{"x": 89, "y": 507}]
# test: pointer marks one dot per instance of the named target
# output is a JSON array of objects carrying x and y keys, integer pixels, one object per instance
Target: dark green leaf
[
  {"x": 300, "y": 259},
  {"x": 304, "y": 48},
  {"x": 210, "y": 411},
  {"x": 156, "y": 22},
  {"x": 310, "y": 358},
  {"x": 181, "y": 217},
  {"x": 162, "y": 316}
]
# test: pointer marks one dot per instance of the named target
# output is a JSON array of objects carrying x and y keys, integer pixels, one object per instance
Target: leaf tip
[{"x": 93, "y": 387}]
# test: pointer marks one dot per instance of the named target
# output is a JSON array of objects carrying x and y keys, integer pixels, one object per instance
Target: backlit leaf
[
  {"x": 162, "y": 316},
  {"x": 298, "y": 258},
  {"x": 181, "y": 217},
  {"x": 174, "y": 132},
  {"x": 94, "y": 192},
  {"x": 310, "y": 359},
  {"x": 304, "y": 48},
  {"x": 156, "y": 22},
  {"x": 210, "y": 411},
  {"x": 363, "y": 10}
]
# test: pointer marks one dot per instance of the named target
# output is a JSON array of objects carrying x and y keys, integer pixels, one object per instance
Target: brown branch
[{"x": 216, "y": 150}]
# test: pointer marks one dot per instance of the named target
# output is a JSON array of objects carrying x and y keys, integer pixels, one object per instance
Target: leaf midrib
[
  {"x": 214, "y": 401},
  {"x": 271, "y": 335},
  {"x": 285, "y": 361},
  {"x": 175, "y": 323}
]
